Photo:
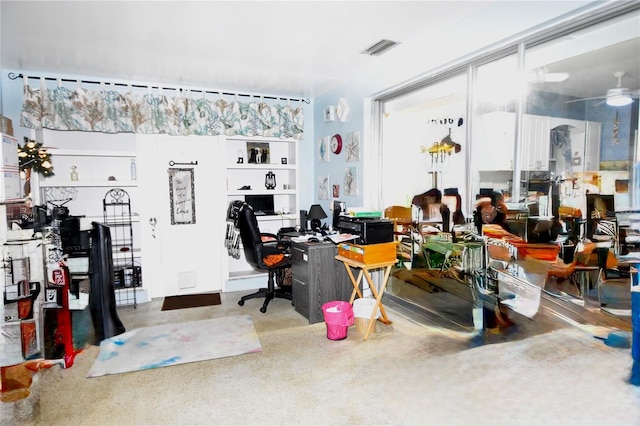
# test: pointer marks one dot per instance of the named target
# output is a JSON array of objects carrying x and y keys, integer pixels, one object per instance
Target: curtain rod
[{"x": 13, "y": 76}]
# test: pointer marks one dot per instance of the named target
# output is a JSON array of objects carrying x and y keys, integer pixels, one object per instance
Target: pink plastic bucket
[{"x": 338, "y": 316}]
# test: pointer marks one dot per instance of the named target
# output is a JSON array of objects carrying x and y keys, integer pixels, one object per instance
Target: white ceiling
[{"x": 289, "y": 48}]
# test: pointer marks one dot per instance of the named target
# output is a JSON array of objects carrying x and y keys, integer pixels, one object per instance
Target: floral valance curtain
[{"x": 110, "y": 111}]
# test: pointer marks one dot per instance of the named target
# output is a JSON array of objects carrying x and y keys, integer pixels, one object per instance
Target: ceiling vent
[{"x": 380, "y": 47}]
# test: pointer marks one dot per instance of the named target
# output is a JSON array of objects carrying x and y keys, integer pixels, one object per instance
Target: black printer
[{"x": 369, "y": 230}]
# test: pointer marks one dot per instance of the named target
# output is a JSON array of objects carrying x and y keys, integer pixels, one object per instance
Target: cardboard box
[
  {"x": 10, "y": 187},
  {"x": 370, "y": 253},
  {"x": 6, "y": 126}
]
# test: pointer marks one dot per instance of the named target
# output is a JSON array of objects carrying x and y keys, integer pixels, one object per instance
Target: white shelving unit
[
  {"x": 103, "y": 162},
  {"x": 98, "y": 170},
  {"x": 283, "y": 163}
]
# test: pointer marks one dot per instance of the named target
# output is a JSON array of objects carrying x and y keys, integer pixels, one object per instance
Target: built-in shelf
[
  {"x": 262, "y": 192},
  {"x": 266, "y": 218},
  {"x": 283, "y": 162},
  {"x": 262, "y": 167},
  {"x": 88, "y": 183},
  {"x": 127, "y": 254},
  {"x": 135, "y": 217},
  {"x": 237, "y": 275},
  {"x": 90, "y": 153}
]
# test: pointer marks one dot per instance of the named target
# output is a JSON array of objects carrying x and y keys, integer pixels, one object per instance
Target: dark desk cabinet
[{"x": 318, "y": 278}]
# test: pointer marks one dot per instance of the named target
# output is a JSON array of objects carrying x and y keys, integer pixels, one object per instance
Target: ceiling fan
[
  {"x": 542, "y": 75},
  {"x": 618, "y": 96}
]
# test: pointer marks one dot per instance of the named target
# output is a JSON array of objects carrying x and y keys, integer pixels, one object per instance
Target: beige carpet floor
[{"x": 405, "y": 374}]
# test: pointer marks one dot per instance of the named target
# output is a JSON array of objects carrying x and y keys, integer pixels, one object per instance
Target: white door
[{"x": 182, "y": 257}]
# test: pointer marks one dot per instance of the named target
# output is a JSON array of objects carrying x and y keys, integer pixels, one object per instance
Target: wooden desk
[{"x": 364, "y": 271}]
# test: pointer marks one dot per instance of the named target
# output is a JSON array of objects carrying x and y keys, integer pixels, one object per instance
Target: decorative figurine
[{"x": 270, "y": 180}]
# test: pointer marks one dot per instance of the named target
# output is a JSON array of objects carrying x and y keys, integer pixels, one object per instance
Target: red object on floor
[{"x": 63, "y": 333}]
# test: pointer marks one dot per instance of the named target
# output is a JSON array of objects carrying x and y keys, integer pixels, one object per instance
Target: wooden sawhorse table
[{"x": 364, "y": 271}]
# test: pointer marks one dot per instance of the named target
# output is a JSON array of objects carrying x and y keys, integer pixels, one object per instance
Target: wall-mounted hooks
[{"x": 190, "y": 163}]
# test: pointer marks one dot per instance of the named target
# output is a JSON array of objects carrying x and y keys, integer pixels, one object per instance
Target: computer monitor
[
  {"x": 303, "y": 221},
  {"x": 338, "y": 208},
  {"x": 261, "y": 204}
]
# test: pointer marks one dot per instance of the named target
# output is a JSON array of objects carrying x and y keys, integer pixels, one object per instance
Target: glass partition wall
[
  {"x": 546, "y": 125},
  {"x": 493, "y": 127},
  {"x": 425, "y": 134},
  {"x": 575, "y": 92}
]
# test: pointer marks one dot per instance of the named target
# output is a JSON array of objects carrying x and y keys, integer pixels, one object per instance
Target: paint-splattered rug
[{"x": 173, "y": 344}]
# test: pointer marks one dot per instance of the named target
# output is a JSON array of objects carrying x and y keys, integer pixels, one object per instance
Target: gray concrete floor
[{"x": 414, "y": 371}]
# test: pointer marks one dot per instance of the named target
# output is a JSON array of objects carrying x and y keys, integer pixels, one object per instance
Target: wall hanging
[
  {"x": 182, "y": 197},
  {"x": 353, "y": 147},
  {"x": 351, "y": 181}
]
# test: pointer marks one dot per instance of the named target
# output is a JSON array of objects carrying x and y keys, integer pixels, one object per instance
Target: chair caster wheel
[
  {"x": 263, "y": 310},
  {"x": 241, "y": 302}
]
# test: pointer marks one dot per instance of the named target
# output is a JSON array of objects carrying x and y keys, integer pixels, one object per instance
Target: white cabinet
[
  {"x": 495, "y": 148},
  {"x": 534, "y": 155}
]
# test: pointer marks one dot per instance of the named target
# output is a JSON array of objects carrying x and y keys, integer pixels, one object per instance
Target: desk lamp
[{"x": 315, "y": 214}]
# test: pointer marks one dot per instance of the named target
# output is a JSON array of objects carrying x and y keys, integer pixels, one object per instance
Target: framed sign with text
[{"x": 182, "y": 196}]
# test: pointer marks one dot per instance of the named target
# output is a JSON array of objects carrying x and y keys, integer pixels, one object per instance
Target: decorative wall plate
[{"x": 342, "y": 110}]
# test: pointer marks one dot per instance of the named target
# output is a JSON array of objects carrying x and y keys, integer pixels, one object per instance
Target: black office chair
[{"x": 264, "y": 252}]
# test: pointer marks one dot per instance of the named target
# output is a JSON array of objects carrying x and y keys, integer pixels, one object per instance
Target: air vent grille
[{"x": 380, "y": 47}]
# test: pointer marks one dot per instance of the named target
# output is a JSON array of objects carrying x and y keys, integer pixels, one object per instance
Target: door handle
[{"x": 153, "y": 222}]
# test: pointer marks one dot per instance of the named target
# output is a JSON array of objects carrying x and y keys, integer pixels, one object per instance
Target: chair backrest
[
  {"x": 398, "y": 212},
  {"x": 250, "y": 235},
  {"x": 401, "y": 217}
]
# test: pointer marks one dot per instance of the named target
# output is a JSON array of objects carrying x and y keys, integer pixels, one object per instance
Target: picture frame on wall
[
  {"x": 258, "y": 153},
  {"x": 182, "y": 197},
  {"x": 323, "y": 149},
  {"x": 330, "y": 114},
  {"x": 352, "y": 147},
  {"x": 350, "y": 181},
  {"x": 323, "y": 187}
]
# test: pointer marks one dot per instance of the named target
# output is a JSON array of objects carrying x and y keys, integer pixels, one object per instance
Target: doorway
[{"x": 182, "y": 246}]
